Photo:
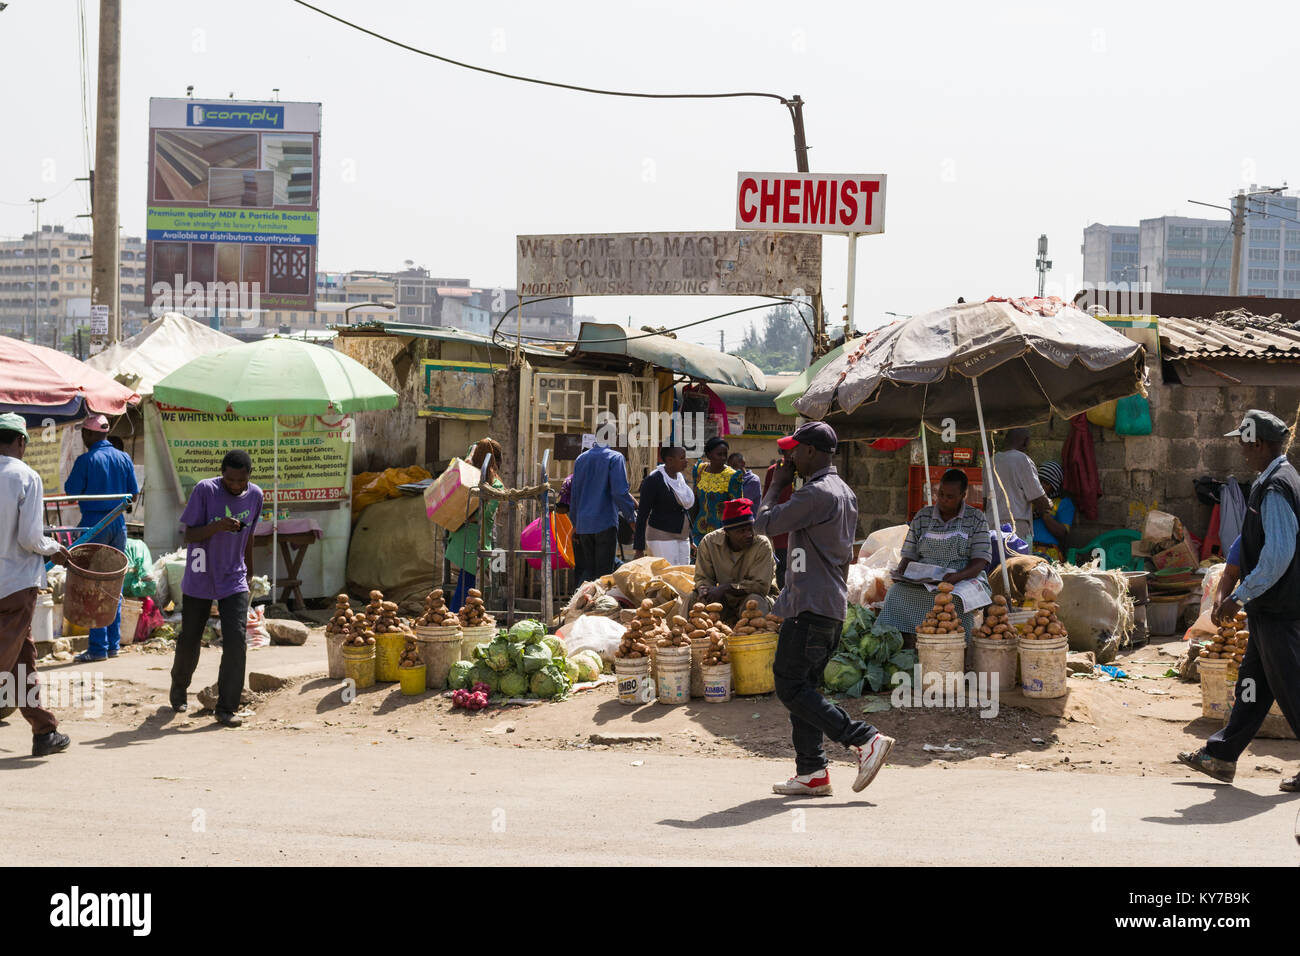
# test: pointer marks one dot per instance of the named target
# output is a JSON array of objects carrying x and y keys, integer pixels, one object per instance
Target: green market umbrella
[{"x": 270, "y": 378}]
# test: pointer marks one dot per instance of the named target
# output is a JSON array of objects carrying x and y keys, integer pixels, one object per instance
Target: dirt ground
[{"x": 1133, "y": 726}]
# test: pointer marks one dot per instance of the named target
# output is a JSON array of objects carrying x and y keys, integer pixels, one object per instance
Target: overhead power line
[{"x": 531, "y": 79}]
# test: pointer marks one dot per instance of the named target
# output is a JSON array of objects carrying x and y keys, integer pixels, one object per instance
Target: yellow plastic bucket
[
  {"x": 412, "y": 679},
  {"x": 388, "y": 654},
  {"x": 359, "y": 665},
  {"x": 752, "y": 657}
]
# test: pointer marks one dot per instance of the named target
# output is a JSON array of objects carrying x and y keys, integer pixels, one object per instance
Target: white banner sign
[{"x": 811, "y": 202}]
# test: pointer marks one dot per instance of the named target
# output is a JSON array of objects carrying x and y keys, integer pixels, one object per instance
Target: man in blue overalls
[{"x": 102, "y": 470}]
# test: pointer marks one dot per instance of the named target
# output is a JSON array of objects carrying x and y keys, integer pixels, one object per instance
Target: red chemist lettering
[
  {"x": 770, "y": 200},
  {"x": 814, "y": 202},
  {"x": 788, "y": 211},
  {"x": 848, "y": 196},
  {"x": 869, "y": 189},
  {"x": 747, "y": 188}
]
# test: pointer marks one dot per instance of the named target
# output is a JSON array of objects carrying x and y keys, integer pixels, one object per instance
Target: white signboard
[
  {"x": 811, "y": 202},
  {"x": 670, "y": 263},
  {"x": 99, "y": 320}
]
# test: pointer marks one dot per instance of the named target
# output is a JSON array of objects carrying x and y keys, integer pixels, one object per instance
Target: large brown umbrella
[
  {"x": 1031, "y": 358},
  {"x": 994, "y": 364}
]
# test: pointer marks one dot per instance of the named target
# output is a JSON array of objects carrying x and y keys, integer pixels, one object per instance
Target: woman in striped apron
[{"x": 952, "y": 535}]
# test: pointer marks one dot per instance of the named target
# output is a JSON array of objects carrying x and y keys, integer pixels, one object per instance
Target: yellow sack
[
  {"x": 633, "y": 577},
  {"x": 371, "y": 486},
  {"x": 1103, "y": 415}
]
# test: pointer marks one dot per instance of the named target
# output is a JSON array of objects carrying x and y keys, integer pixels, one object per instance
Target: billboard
[
  {"x": 233, "y": 202},
  {"x": 811, "y": 202},
  {"x": 314, "y": 452},
  {"x": 670, "y": 263}
]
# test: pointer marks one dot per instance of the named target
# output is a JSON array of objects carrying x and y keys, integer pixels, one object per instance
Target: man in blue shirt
[
  {"x": 102, "y": 470},
  {"x": 598, "y": 494},
  {"x": 1270, "y": 593},
  {"x": 750, "y": 481}
]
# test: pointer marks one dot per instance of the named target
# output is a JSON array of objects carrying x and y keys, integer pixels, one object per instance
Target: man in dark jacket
[
  {"x": 1270, "y": 592},
  {"x": 663, "y": 524}
]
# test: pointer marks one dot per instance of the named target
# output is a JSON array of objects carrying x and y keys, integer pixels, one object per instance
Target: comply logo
[
  {"x": 214, "y": 114},
  {"x": 102, "y": 910}
]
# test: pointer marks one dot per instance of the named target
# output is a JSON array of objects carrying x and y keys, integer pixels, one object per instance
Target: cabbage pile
[
  {"x": 868, "y": 656},
  {"x": 525, "y": 662}
]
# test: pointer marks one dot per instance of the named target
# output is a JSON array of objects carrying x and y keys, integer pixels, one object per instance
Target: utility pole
[
  {"x": 1238, "y": 234},
  {"x": 105, "y": 271},
  {"x": 820, "y": 345},
  {"x": 36, "y": 276}
]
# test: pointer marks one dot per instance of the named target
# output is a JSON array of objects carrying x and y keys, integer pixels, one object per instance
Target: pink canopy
[{"x": 37, "y": 377}]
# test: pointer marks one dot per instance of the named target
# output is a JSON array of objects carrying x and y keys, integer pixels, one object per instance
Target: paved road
[{"x": 202, "y": 794}]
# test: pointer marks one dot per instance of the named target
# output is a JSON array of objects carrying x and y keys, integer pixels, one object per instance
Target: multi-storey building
[
  {"x": 47, "y": 277},
  {"x": 1192, "y": 255}
]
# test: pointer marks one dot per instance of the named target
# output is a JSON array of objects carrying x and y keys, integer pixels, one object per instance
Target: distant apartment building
[
  {"x": 1190, "y": 255},
  {"x": 48, "y": 275}
]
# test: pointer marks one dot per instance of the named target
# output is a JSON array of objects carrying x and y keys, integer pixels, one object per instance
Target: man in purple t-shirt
[{"x": 219, "y": 521}]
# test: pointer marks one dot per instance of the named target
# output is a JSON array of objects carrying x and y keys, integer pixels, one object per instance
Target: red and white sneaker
[
  {"x": 871, "y": 757},
  {"x": 806, "y": 785}
]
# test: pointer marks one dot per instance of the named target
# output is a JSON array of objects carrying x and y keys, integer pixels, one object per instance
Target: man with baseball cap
[
  {"x": 102, "y": 470},
  {"x": 1270, "y": 593},
  {"x": 733, "y": 565},
  {"x": 822, "y": 520},
  {"x": 23, "y": 551}
]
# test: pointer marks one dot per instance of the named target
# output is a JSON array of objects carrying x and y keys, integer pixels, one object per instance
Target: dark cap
[
  {"x": 818, "y": 434},
  {"x": 1265, "y": 426}
]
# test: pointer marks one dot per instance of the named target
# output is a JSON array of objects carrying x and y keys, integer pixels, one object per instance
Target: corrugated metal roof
[
  {"x": 685, "y": 358},
  {"x": 1229, "y": 335}
]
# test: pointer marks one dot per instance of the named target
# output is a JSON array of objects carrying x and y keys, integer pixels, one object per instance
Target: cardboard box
[
  {"x": 447, "y": 500},
  {"x": 1179, "y": 556}
]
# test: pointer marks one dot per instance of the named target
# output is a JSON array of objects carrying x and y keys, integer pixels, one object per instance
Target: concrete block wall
[{"x": 1138, "y": 473}]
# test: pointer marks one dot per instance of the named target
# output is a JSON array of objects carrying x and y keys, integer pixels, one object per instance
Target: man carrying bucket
[
  {"x": 822, "y": 520},
  {"x": 102, "y": 470},
  {"x": 23, "y": 550},
  {"x": 219, "y": 521}
]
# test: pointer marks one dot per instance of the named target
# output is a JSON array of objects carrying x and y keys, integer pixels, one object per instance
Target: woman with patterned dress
[
  {"x": 715, "y": 483},
  {"x": 952, "y": 535}
]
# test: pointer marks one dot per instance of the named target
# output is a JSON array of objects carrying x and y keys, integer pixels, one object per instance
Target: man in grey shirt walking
[{"x": 822, "y": 520}]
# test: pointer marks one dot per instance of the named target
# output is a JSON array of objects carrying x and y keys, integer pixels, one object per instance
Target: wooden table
[{"x": 294, "y": 543}]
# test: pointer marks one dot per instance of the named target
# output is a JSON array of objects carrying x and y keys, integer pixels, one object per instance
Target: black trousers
[
  {"x": 233, "y": 611},
  {"x": 593, "y": 554},
  {"x": 1270, "y": 671},
  {"x": 804, "y": 645}
]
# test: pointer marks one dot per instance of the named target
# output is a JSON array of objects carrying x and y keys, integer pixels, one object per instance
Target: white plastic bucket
[
  {"x": 672, "y": 672},
  {"x": 1043, "y": 672},
  {"x": 1162, "y": 617},
  {"x": 43, "y": 618},
  {"x": 717, "y": 683},
  {"x": 132, "y": 608},
  {"x": 335, "y": 668},
  {"x": 943, "y": 661},
  {"x": 633, "y": 675},
  {"x": 999, "y": 660},
  {"x": 699, "y": 648}
]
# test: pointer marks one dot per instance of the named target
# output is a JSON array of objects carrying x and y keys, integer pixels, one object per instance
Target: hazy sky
[{"x": 994, "y": 122}]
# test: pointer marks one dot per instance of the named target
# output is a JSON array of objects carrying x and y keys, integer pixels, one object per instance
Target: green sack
[
  {"x": 138, "y": 583},
  {"x": 1132, "y": 416}
]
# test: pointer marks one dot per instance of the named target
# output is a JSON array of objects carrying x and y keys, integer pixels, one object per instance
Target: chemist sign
[{"x": 811, "y": 202}]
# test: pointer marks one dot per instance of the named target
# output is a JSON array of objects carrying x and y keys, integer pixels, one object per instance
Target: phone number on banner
[{"x": 306, "y": 494}]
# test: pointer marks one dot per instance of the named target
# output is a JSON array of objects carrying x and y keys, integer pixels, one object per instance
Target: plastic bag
[
  {"x": 592, "y": 632},
  {"x": 1042, "y": 583},
  {"x": 1210, "y": 587},
  {"x": 1007, "y": 541},
  {"x": 371, "y": 486},
  {"x": 161, "y": 587},
  {"x": 888, "y": 539},
  {"x": 150, "y": 619},
  {"x": 868, "y": 585},
  {"x": 1132, "y": 416},
  {"x": 1203, "y": 629},
  {"x": 1102, "y": 415},
  {"x": 139, "y": 581},
  {"x": 255, "y": 631}
]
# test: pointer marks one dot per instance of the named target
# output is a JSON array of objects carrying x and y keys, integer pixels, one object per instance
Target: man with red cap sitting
[
  {"x": 734, "y": 565},
  {"x": 102, "y": 470}
]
